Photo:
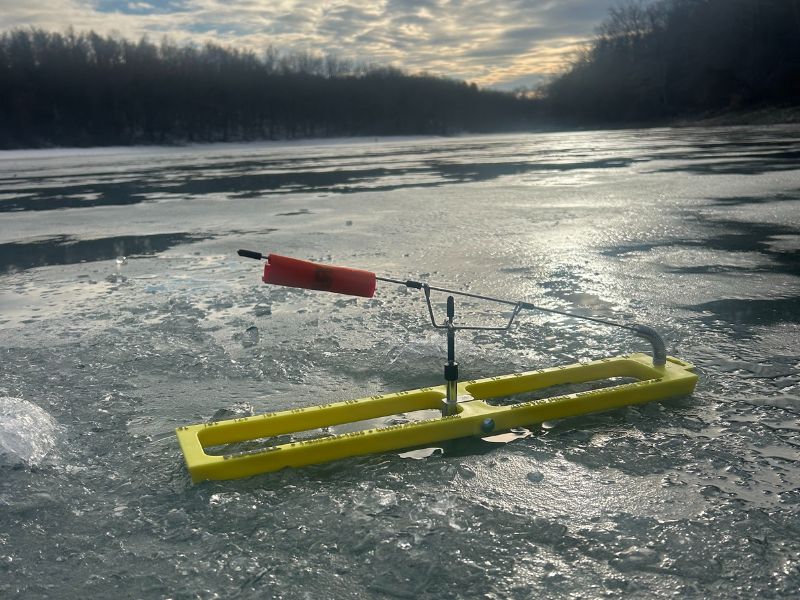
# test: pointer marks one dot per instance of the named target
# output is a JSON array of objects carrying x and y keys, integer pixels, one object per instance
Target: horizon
[{"x": 519, "y": 44}]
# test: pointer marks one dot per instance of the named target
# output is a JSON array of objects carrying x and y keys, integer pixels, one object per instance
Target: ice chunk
[
  {"x": 27, "y": 432},
  {"x": 250, "y": 337}
]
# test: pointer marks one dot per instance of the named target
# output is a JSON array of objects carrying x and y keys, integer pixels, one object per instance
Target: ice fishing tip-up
[{"x": 294, "y": 272}]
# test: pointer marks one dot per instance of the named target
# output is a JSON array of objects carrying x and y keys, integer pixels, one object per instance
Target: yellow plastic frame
[{"x": 675, "y": 378}]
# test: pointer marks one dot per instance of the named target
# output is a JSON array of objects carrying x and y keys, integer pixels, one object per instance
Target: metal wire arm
[{"x": 643, "y": 331}]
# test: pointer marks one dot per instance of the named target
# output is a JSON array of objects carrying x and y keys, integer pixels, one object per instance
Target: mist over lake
[{"x": 125, "y": 313}]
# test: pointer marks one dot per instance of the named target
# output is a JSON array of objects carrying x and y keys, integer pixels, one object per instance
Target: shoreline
[
  {"x": 783, "y": 115},
  {"x": 767, "y": 116}
]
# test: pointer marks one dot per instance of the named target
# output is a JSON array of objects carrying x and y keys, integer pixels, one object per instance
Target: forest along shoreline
[{"x": 667, "y": 62}]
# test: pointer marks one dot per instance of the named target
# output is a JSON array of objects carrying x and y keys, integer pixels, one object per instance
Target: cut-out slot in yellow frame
[{"x": 474, "y": 417}]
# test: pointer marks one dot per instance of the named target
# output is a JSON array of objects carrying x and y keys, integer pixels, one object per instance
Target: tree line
[
  {"x": 656, "y": 60},
  {"x": 649, "y": 61},
  {"x": 88, "y": 89}
]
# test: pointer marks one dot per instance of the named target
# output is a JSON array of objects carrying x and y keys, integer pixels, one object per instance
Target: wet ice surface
[{"x": 693, "y": 231}]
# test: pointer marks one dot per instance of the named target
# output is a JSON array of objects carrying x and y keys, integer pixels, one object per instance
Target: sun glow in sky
[{"x": 494, "y": 43}]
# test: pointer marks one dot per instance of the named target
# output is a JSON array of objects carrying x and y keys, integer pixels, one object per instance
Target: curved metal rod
[
  {"x": 639, "y": 329},
  {"x": 656, "y": 341}
]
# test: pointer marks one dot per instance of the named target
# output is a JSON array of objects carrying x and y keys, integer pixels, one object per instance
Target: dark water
[{"x": 695, "y": 232}]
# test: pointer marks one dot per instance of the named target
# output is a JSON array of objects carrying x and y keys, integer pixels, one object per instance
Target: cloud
[
  {"x": 139, "y": 7},
  {"x": 492, "y": 43}
]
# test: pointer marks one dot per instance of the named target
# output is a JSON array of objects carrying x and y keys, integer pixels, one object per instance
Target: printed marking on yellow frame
[{"x": 474, "y": 417}]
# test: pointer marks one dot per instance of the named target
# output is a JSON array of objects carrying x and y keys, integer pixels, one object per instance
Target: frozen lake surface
[{"x": 693, "y": 231}]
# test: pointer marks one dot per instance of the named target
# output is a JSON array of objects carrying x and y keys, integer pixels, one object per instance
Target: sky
[{"x": 493, "y": 43}]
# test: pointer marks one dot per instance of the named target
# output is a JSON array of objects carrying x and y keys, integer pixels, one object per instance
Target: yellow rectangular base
[{"x": 676, "y": 378}]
